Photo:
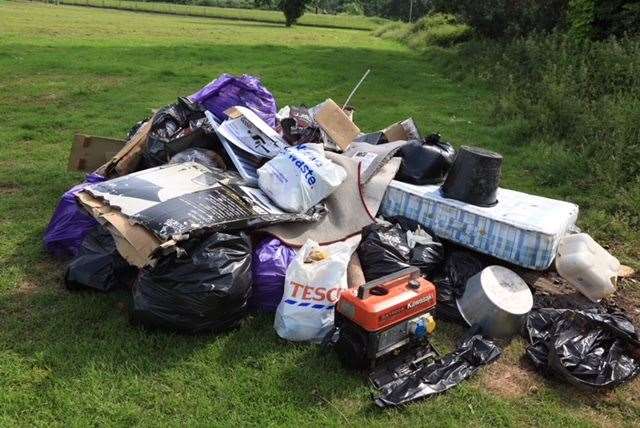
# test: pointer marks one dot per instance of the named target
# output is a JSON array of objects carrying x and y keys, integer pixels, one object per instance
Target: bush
[
  {"x": 393, "y": 31},
  {"x": 293, "y": 10},
  {"x": 507, "y": 18},
  {"x": 431, "y": 30},
  {"x": 352, "y": 9},
  {"x": 615, "y": 18},
  {"x": 437, "y": 30},
  {"x": 581, "y": 17}
]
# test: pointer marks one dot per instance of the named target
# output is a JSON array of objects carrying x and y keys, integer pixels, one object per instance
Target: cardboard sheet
[
  {"x": 89, "y": 153},
  {"x": 404, "y": 130},
  {"x": 134, "y": 243},
  {"x": 157, "y": 207},
  {"x": 335, "y": 122},
  {"x": 128, "y": 157}
]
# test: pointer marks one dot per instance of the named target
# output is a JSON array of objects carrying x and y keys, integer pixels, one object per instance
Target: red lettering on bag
[
  {"x": 317, "y": 294},
  {"x": 296, "y": 287},
  {"x": 333, "y": 295},
  {"x": 307, "y": 293}
]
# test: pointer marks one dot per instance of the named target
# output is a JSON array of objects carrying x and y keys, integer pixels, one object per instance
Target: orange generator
[{"x": 382, "y": 316}]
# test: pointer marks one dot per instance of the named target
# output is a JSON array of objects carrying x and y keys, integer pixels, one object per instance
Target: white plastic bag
[
  {"x": 300, "y": 177},
  {"x": 311, "y": 291}
]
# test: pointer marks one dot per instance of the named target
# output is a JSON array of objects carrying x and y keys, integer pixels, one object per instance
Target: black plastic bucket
[{"x": 474, "y": 177}]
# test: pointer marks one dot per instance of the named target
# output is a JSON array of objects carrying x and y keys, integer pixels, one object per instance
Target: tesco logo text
[{"x": 318, "y": 294}]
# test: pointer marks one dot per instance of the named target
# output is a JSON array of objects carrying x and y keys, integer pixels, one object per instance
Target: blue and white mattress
[{"x": 521, "y": 229}]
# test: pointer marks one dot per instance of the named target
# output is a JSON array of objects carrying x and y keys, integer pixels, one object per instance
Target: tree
[{"x": 292, "y": 9}]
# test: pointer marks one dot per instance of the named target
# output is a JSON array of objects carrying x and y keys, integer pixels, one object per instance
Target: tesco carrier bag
[
  {"x": 313, "y": 284},
  {"x": 300, "y": 177}
]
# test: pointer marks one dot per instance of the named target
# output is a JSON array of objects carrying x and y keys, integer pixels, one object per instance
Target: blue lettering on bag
[{"x": 303, "y": 167}]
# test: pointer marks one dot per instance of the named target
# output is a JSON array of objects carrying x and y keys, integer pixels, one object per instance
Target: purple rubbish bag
[
  {"x": 69, "y": 223},
  {"x": 228, "y": 91},
  {"x": 270, "y": 261}
]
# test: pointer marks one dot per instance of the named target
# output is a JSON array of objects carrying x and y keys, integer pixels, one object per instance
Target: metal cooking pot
[{"x": 497, "y": 300}]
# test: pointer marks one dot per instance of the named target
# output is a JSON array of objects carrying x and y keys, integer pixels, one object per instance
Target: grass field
[
  {"x": 73, "y": 359},
  {"x": 252, "y": 15}
]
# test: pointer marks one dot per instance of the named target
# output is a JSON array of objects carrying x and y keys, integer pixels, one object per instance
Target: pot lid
[{"x": 506, "y": 290}]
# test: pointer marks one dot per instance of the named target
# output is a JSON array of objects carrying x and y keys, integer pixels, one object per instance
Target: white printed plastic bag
[
  {"x": 313, "y": 284},
  {"x": 300, "y": 177}
]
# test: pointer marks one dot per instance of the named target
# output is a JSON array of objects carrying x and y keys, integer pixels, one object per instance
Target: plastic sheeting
[
  {"x": 69, "y": 223},
  {"x": 229, "y": 91},
  {"x": 386, "y": 248},
  {"x": 440, "y": 375},
  {"x": 206, "y": 291},
  {"x": 205, "y": 157},
  {"x": 98, "y": 265},
  {"x": 175, "y": 128},
  {"x": 588, "y": 348},
  {"x": 270, "y": 261}
]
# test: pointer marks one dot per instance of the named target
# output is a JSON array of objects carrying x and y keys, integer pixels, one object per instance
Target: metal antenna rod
[{"x": 355, "y": 89}]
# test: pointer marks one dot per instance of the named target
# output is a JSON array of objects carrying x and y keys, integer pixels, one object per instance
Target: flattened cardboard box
[
  {"x": 335, "y": 122},
  {"x": 89, "y": 153},
  {"x": 405, "y": 130},
  {"x": 134, "y": 243},
  {"x": 155, "y": 208}
]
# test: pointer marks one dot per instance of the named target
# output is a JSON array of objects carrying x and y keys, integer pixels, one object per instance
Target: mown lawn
[{"x": 73, "y": 359}]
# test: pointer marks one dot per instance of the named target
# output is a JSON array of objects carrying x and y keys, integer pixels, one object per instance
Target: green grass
[
  {"x": 72, "y": 359},
  {"x": 253, "y": 15},
  {"x": 432, "y": 30}
]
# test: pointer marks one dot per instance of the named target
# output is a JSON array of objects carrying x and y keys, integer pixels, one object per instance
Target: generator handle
[{"x": 364, "y": 290}]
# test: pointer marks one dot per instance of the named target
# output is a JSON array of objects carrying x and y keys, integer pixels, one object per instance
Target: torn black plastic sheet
[
  {"x": 441, "y": 375},
  {"x": 587, "y": 348}
]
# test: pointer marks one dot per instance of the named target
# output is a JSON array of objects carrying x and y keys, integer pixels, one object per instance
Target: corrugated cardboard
[
  {"x": 88, "y": 152},
  {"x": 134, "y": 243},
  {"x": 333, "y": 120},
  {"x": 127, "y": 158},
  {"x": 405, "y": 130}
]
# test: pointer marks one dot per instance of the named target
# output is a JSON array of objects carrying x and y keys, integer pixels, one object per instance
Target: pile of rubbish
[{"x": 220, "y": 205}]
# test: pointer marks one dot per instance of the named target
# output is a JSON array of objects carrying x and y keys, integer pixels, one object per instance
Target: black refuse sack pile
[
  {"x": 175, "y": 128},
  {"x": 426, "y": 161},
  {"x": 172, "y": 219}
]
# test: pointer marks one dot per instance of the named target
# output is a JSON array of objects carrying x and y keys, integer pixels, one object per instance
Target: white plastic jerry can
[{"x": 587, "y": 266}]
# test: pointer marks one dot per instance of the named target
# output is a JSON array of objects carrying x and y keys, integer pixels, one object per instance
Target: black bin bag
[
  {"x": 390, "y": 247},
  {"x": 425, "y": 162},
  {"x": 204, "y": 291},
  {"x": 175, "y": 128},
  {"x": 98, "y": 265},
  {"x": 451, "y": 283},
  {"x": 588, "y": 348}
]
